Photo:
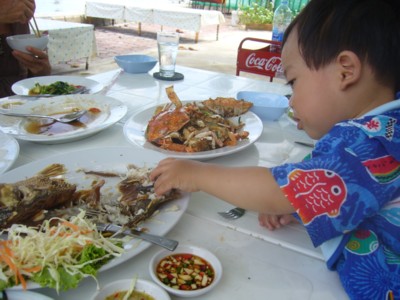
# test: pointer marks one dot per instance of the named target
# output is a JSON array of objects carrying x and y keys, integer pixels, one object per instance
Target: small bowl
[
  {"x": 187, "y": 249},
  {"x": 21, "y": 41},
  {"x": 141, "y": 285},
  {"x": 135, "y": 63},
  {"x": 269, "y": 107}
]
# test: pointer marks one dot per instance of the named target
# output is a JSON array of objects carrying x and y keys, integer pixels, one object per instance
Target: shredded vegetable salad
[{"x": 56, "y": 256}]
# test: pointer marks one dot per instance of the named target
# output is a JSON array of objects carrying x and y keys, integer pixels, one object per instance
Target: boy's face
[{"x": 316, "y": 98}]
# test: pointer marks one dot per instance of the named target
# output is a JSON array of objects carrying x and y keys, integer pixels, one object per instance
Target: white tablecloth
[
  {"x": 257, "y": 263},
  {"x": 68, "y": 41},
  {"x": 159, "y": 12}
]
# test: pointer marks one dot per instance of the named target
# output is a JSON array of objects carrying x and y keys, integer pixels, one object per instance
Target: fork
[
  {"x": 162, "y": 241},
  {"x": 233, "y": 214}
]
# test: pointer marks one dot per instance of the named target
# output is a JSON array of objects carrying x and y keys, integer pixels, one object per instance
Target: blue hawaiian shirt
[{"x": 347, "y": 195}]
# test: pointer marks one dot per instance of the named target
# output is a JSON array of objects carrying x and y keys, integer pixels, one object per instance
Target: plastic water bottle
[{"x": 282, "y": 18}]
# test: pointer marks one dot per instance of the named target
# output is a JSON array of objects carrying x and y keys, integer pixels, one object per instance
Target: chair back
[{"x": 261, "y": 61}]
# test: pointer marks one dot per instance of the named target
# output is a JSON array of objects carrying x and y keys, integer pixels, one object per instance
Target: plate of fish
[
  {"x": 195, "y": 129},
  {"x": 108, "y": 181},
  {"x": 55, "y": 85},
  {"x": 102, "y": 112},
  {"x": 9, "y": 151}
]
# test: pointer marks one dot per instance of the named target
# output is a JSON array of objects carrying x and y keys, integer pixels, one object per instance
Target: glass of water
[{"x": 168, "y": 43}]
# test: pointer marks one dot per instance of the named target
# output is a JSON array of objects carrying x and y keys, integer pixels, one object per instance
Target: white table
[
  {"x": 68, "y": 41},
  {"x": 257, "y": 264},
  {"x": 160, "y": 12}
]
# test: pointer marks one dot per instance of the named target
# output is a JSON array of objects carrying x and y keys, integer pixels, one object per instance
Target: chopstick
[{"x": 36, "y": 31}]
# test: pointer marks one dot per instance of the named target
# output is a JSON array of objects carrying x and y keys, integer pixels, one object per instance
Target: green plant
[{"x": 256, "y": 13}]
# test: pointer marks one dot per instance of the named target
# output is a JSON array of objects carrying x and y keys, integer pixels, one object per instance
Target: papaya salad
[{"x": 57, "y": 256}]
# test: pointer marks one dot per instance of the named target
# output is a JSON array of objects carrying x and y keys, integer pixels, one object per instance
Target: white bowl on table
[
  {"x": 135, "y": 63},
  {"x": 268, "y": 106},
  {"x": 21, "y": 41},
  {"x": 187, "y": 249},
  {"x": 141, "y": 285}
]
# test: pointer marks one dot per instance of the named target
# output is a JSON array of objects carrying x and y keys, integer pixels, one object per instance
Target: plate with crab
[{"x": 194, "y": 129}]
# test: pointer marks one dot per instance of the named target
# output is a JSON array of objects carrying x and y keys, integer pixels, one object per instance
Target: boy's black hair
[{"x": 369, "y": 28}]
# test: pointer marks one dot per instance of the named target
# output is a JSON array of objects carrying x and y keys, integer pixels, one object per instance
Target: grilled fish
[{"x": 26, "y": 200}]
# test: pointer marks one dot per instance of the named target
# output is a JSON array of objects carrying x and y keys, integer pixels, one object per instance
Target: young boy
[{"x": 342, "y": 59}]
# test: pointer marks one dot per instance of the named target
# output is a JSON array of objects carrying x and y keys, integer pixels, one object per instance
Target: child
[{"x": 342, "y": 59}]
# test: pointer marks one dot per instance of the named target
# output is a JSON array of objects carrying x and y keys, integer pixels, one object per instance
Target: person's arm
[
  {"x": 252, "y": 188},
  {"x": 16, "y": 11},
  {"x": 37, "y": 62}
]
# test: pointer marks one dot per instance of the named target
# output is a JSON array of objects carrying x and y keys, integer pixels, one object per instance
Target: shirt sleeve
[{"x": 335, "y": 190}]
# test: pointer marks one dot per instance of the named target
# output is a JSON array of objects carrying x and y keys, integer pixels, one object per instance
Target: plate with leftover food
[
  {"x": 55, "y": 85},
  {"x": 102, "y": 112},
  {"x": 9, "y": 151},
  {"x": 104, "y": 180},
  {"x": 195, "y": 129}
]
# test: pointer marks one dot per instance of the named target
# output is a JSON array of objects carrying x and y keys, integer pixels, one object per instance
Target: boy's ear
[{"x": 349, "y": 67}]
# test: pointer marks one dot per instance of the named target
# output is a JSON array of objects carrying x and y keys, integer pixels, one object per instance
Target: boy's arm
[{"x": 252, "y": 188}]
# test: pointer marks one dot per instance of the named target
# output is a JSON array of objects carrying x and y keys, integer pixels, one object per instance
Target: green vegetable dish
[
  {"x": 56, "y": 88},
  {"x": 58, "y": 256}
]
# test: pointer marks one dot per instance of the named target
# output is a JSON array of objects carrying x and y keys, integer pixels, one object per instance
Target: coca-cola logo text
[{"x": 272, "y": 64}]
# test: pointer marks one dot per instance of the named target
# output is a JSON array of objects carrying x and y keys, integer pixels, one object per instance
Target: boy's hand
[{"x": 273, "y": 222}]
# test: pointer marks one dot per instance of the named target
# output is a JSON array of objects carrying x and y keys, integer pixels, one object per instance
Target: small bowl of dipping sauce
[{"x": 188, "y": 271}]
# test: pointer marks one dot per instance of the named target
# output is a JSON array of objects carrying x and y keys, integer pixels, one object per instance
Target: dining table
[{"x": 257, "y": 263}]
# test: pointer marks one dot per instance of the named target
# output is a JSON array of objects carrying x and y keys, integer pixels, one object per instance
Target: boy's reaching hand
[{"x": 175, "y": 173}]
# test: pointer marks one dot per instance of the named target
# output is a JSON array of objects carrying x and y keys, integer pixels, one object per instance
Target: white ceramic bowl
[
  {"x": 21, "y": 41},
  {"x": 141, "y": 285},
  {"x": 269, "y": 107},
  {"x": 201, "y": 252},
  {"x": 135, "y": 63}
]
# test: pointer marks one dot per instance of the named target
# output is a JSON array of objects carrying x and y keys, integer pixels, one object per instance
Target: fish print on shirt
[{"x": 315, "y": 193}]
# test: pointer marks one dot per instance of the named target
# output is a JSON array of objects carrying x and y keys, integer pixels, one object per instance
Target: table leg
[
  {"x": 139, "y": 28},
  {"x": 196, "y": 39},
  {"x": 217, "y": 32},
  {"x": 87, "y": 63}
]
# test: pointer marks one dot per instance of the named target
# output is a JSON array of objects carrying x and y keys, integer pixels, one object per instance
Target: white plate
[
  {"x": 134, "y": 130},
  {"x": 112, "y": 110},
  {"x": 22, "y": 87},
  {"x": 9, "y": 150},
  {"x": 108, "y": 159},
  {"x": 25, "y": 295}
]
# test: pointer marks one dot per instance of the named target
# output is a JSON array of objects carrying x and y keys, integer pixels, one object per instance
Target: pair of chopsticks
[{"x": 35, "y": 28}]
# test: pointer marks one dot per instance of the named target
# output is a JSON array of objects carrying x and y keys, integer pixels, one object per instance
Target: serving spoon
[{"x": 66, "y": 118}]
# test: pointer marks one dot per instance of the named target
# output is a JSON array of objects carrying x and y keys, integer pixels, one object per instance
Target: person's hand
[
  {"x": 37, "y": 62},
  {"x": 174, "y": 173},
  {"x": 16, "y": 11},
  {"x": 273, "y": 222}
]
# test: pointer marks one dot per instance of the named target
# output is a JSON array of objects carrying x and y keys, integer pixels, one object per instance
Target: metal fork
[
  {"x": 232, "y": 214},
  {"x": 162, "y": 241}
]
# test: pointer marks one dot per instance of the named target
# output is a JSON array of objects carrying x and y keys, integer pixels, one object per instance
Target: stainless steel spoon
[{"x": 66, "y": 118}]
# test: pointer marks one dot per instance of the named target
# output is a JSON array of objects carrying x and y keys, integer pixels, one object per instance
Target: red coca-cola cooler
[{"x": 262, "y": 61}]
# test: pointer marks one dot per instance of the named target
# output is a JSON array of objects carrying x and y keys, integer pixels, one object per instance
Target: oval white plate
[
  {"x": 141, "y": 285},
  {"x": 135, "y": 127},
  {"x": 22, "y": 87},
  {"x": 112, "y": 159},
  {"x": 112, "y": 110},
  {"x": 9, "y": 151}
]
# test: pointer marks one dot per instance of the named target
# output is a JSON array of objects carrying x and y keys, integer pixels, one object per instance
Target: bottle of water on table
[{"x": 282, "y": 18}]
